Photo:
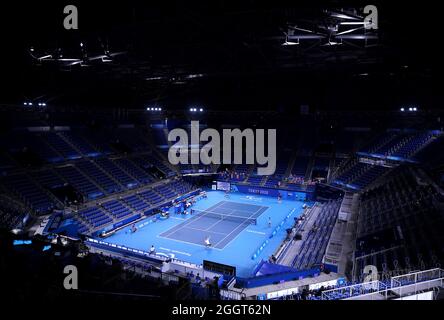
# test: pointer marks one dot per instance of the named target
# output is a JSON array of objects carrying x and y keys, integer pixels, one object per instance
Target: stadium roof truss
[{"x": 333, "y": 28}]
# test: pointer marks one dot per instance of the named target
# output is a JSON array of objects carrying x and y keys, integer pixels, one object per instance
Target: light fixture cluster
[
  {"x": 154, "y": 109},
  {"x": 409, "y": 109},
  {"x": 196, "y": 109},
  {"x": 30, "y": 104}
]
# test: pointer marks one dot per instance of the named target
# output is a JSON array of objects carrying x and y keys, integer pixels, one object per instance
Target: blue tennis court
[
  {"x": 222, "y": 222},
  {"x": 234, "y": 241}
]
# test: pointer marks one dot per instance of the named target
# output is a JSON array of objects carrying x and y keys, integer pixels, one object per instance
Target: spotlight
[
  {"x": 414, "y": 109},
  {"x": 25, "y": 103},
  {"x": 402, "y": 109},
  {"x": 29, "y": 103},
  {"x": 410, "y": 109},
  {"x": 201, "y": 110}
]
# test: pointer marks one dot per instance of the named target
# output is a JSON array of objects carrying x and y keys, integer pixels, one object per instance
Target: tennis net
[{"x": 228, "y": 217}]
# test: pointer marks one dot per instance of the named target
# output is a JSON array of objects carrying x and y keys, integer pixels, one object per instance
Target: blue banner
[{"x": 273, "y": 192}]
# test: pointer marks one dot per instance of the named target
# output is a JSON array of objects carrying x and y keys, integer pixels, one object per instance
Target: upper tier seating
[
  {"x": 11, "y": 215},
  {"x": 413, "y": 144},
  {"x": 180, "y": 186},
  {"x": 151, "y": 196},
  {"x": 300, "y": 167},
  {"x": 380, "y": 142},
  {"x": 80, "y": 182},
  {"x": 313, "y": 247},
  {"x": 81, "y": 144},
  {"x": 95, "y": 216},
  {"x": 281, "y": 168},
  {"x": 99, "y": 176},
  {"x": 255, "y": 180},
  {"x": 360, "y": 175},
  {"x": 400, "y": 144},
  {"x": 31, "y": 194},
  {"x": 132, "y": 138},
  {"x": 159, "y": 163},
  {"x": 136, "y": 203},
  {"x": 165, "y": 191},
  {"x": 48, "y": 178},
  {"x": 117, "y": 173},
  {"x": 160, "y": 138},
  {"x": 128, "y": 166},
  {"x": 401, "y": 222},
  {"x": 60, "y": 145},
  {"x": 117, "y": 209}
]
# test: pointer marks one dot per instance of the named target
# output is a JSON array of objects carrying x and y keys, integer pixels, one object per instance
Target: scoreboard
[
  {"x": 223, "y": 185},
  {"x": 219, "y": 268}
]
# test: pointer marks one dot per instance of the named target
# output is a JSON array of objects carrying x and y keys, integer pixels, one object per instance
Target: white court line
[
  {"x": 260, "y": 208},
  {"x": 235, "y": 211},
  {"x": 241, "y": 224},
  {"x": 232, "y": 232},
  {"x": 248, "y": 211},
  {"x": 182, "y": 219},
  {"x": 190, "y": 220},
  {"x": 206, "y": 230},
  {"x": 192, "y": 243},
  {"x": 218, "y": 205},
  {"x": 175, "y": 251},
  {"x": 221, "y": 220},
  {"x": 240, "y": 204},
  {"x": 251, "y": 199},
  {"x": 256, "y": 232},
  {"x": 218, "y": 221}
]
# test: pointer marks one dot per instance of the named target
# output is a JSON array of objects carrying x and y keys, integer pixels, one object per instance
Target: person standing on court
[
  {"x": 207, "y": 242},
  {"x": 269, "y": 222}
]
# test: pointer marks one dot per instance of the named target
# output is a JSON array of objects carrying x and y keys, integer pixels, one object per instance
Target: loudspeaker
[{"x": 298, "y": 236}]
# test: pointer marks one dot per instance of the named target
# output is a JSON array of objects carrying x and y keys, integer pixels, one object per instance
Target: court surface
[
  {"x": 174, "y": 237},
  {"x": 221, "y": 230}
]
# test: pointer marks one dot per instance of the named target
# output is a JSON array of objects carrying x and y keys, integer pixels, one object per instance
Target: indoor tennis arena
[{"x": 243, "y": 153}]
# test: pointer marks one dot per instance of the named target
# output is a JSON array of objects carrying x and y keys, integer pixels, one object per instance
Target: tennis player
[{"x": 207, "y": 242}]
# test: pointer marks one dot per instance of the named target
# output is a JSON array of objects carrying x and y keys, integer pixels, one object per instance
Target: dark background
[{"x": 233, "y": 44}]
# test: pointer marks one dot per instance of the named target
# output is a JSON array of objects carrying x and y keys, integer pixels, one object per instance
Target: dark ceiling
[{"x": 222, "y": 55}]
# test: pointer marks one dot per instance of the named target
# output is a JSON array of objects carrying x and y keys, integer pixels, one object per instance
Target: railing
[
  {"x": 227, "y": 294},
  {"x": 403, "y": 285},
  {"x": 417, "y": 281},
  {"x": 141, "y": 254},
  {"x": 370, "y": 287}
]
